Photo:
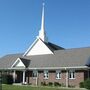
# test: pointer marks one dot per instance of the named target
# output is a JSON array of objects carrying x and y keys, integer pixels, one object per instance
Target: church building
[{"x": 45, "y": 62}]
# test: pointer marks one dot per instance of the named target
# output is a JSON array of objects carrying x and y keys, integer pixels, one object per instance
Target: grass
[{"x": 14, "y": 87}]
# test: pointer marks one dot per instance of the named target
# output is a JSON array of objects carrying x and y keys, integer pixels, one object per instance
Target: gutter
[
  {"x": 48, "y": 68},
  {"x": 62, "y": 68}
]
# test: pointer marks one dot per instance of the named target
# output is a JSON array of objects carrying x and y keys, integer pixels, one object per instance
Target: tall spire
[
  {"x": 42, "y": 23},
  {"x": 42, "y": 34}
]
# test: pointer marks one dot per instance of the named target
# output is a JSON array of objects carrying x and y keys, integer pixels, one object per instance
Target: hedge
[{"x": 85, "y": 84}]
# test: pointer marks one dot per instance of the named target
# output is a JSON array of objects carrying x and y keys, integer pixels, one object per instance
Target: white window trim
[
  {"x": 46, "y": 71},
  {"x": 71, "y": 71},
  {"x": 59, "y": 72}
]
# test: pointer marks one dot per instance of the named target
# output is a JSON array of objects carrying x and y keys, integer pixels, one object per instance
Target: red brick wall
[
  {"x": 52, "y": 77},
  {"x": 79, "y": 77}
]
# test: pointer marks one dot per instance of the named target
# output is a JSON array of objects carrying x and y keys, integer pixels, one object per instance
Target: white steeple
[
  {"x": 39, "y": 46},
  {"x": 42, "y": 34}
]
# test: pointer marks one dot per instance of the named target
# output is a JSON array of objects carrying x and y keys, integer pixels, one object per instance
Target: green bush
[
  {"x": 43, "y": 84},
  {"x": 57, "y": 84},
  {"x": 63, "y": 85},
  {"x": 87, "y": 84},
  {"x": 71, "y": 86},
  {"x": 50, "y": 84},
  {"x": 81, "y": 84},
  {"x": 7, "y": 79},
  {"x": 4, "y": 79}
]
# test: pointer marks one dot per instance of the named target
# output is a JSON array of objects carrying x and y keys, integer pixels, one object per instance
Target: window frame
[
  {"x": 71, "y": 74},
  {"x": 58, "y": 72},
  {"x": 33, "y": 74},
  {"x": 46, "y": 72}
]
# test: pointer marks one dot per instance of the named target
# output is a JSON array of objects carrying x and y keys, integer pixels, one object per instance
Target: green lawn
[{"x": 14, "y": 87}]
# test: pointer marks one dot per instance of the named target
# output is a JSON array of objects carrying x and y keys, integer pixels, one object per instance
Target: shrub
[
  {"x": 4, "y": 79},
  {"x": 81, "y": 84},
  {"x": 71, "y": 86},
  {"x": 63, "y": 85},
  {"x": 87, "y": 84},
  {"x": 10, "y": 79},
  {"x": 50, "y": 84},
  {"x": 57, "y": 84},
  {"x": 43, "y": 84},
  {"x": 7, "y": 79}
]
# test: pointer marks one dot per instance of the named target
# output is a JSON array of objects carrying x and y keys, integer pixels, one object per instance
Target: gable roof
[
  {"x": 38, "y": 48},
  {"x": 53, "y": 47},
  {"x": 25, "y": 61},
  {"x": 8, "y": 60},
  {"x": 18, "y": 64},
  {"x": 50, "y": 47},
  {"x": 61, "y": 58}
]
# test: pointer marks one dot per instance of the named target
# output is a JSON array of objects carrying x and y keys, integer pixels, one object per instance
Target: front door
[{"x": 19, "y": 77}]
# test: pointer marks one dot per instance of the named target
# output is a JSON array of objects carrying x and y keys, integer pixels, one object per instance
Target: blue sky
[{"x": 67, "y": 23}]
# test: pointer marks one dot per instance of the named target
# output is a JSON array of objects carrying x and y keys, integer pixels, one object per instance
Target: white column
[
  {"x": 37, "y": 78},
  {"x": 36, "y": 81},
  {"x": 66, "y": 78},
  {"x": 14, "y": 76},
  {"x": 23, "y": 77}
]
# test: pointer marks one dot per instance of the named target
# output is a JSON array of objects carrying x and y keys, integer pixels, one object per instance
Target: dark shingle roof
[
  {"x": 25, "y": 61},
  {"x": 53, "y": 47},
  {"x": 8, "y": 60},
  {"x": 88, "y": 62},
  {"x": 60, "y": 58}
]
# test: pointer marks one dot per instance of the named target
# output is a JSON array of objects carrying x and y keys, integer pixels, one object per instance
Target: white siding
[
  {"x": 20, "y": 64},
  {"x": 39, "y": 48}
]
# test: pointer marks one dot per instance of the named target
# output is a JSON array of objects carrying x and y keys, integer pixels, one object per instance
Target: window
[
  {"x": 46, "y": 74},
  {"x": 34, "y": 74},
  {"x": 58, "y": 74},
  {"x": 72, "y": 74}
]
